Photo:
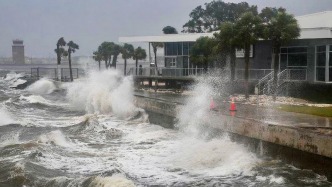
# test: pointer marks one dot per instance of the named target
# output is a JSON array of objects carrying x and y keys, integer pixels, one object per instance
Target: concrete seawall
[{"x": 311, "y": 149}]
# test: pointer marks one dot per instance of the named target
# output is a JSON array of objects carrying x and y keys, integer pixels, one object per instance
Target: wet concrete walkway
[{"x": 270, "y": 115}]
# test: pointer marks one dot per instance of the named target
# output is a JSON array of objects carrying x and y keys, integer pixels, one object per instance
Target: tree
[
  {"x": 60, "y": 52},
  {"x": 127, "y": 52},
  {"x": 226, "y": 44},
  {"x": 280, "y": 28},
  {"x": 105, "y": 49},
  {"x": 116, "y": 50},
  {"x": 97, "y": 57},
  {"x": 72, "y": 47},
  {"x": 248, "y": 30},
  {"x": 215, "y": 13},
  {"x": 169, "y": 30},
  {"x": 155, "y": 46},
  {"x": 202, "y": 51},
  {"x": 139, "y": 54}
]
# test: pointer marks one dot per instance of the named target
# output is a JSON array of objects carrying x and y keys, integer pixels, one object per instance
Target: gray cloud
[{"x": 41, "y": 22}]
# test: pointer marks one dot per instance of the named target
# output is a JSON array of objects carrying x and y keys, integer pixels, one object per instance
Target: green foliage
[
  {"x": 97, "y": 56},
  {"x": 169, "y": 30},
  {"x": 105, "y": 49},
  {"x": 60, "y": 51},
  {"x": 155, "y": 46},
  {"x": 72, "y": 47},
  {"x": 139, "y": 54},
  {"x": 281, "y": 28},
  {"x": 268, "y": 13},
  {"x": 202, "y": 51},
  {"x": 127, "y": 51},
  {"x": 61, "y": 42},
  {"x": 215, "y": 13},
  {"x": 248, "y": 29}
]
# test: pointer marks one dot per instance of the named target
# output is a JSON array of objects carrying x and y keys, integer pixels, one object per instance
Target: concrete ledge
[{"x": 294, "y": 137}]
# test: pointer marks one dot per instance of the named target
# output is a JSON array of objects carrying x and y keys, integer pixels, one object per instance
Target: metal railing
[
  {"x": 52, "y": 73},
  {"x": 166, "y": 72},
  {"x": 254, "y": 74},
  {"x": 265, "y": 85}
]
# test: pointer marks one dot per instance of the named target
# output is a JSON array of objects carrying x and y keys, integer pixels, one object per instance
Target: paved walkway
[{"x": 266, "y": 114}]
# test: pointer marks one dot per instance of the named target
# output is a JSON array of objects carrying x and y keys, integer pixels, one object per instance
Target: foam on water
[
  {"x": 105, "y": 92},
  {"x": 217, "y": 157},
  {"x": 5, "y": 117},
  {"x": 9, "y": 139},
  {"x": 116, "y": 180},
  {"x": 36, "y": 99},
  {"x": 42, "y": 86},
  {"x": 12, "y": 76},
  {"x": 55, "y": 138}
]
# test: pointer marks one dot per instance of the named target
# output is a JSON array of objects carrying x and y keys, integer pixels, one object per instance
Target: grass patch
[{"x": 317, "y": 111}]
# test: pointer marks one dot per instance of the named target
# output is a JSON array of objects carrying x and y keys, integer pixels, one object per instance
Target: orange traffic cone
[
  {"x": 212, "y": 105},
  {"x": 232, "y": 106}
]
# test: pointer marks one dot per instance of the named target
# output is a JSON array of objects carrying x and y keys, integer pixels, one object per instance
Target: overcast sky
[{"x": 89, "y": 22}]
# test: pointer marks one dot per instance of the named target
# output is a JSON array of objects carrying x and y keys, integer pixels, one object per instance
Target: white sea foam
[
  {"x": 42, "y": 86},
  {"x": 5, "y": 117},
  {"x": 9, "y": 139},
  {"x": 214, "y": 157},
  {"x": 13, "y": 76},
  {"x": 36, "y": 99},
  {"x": 55, "y": 138},
  {"x": 103, "y": 92},
  {"x": 17, "y": 83},
  {"x": 117, "y": 180}
]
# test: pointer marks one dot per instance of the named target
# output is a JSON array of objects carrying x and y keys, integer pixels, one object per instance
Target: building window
[
  {"x": 239, "y": 53},
  {"x": 320, "y": 62},
  {"x": 172, "y": 62},
  {"x": 294, "y": 57}
]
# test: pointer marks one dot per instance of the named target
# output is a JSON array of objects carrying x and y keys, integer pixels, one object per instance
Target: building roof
[
  {"x": 316, "y": 20},
  {"x": 188, "y": 37},
  {"x": 317, "y": 25}
]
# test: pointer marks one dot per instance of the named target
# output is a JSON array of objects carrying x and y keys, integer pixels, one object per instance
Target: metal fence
[
  {"x": 254, "y": 74},
  {"x": 52, "y": 73},
  {"x": 166, "y": 72}
]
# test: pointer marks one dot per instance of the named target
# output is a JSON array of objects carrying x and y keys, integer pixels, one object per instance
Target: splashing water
[
  {"x": 5, "y": 117},
  {"x": 42, "y": 86},
  {"x": 103, "y": 92}
]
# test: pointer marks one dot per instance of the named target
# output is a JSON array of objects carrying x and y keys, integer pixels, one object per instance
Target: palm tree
[
  {"x": 139, "y": 54},
  {"x": 60, "y": 52},
  {"x": 280, "y": 29},
  {"x": 202, "y": 51},
  {"x": 105, "y": 50},
  {"x": 248, "y": 30},
  {"x": 72, "y": 47},
  {"x": 226, "y": 44},
  {"x": 127, "y": 52},
  {"x": 97, "y": 57},
  {"x": 155, "y": 46},
  {"x": 116, "y": 50}
]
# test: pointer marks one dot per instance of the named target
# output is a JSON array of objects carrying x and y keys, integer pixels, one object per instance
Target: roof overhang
[{"x": 190, "y": 37}]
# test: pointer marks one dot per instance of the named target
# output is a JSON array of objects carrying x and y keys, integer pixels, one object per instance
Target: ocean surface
[{"x": 89, "y": 133}]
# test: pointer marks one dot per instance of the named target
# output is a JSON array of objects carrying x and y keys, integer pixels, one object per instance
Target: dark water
[{"x": 59, "y": 136}]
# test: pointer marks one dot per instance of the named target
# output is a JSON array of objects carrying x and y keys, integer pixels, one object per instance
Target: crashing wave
[
  {"x": 41, "y": 87},
  {"x": 105, "y": 92}
]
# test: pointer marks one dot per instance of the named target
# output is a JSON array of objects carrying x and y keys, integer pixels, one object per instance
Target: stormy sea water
[{"x": 89, "y": 133}]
